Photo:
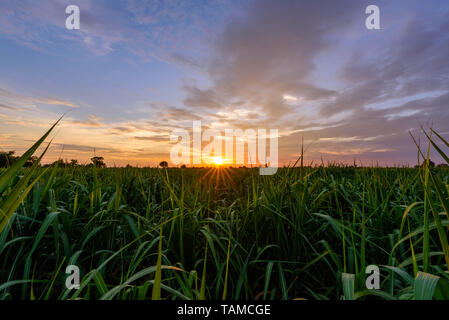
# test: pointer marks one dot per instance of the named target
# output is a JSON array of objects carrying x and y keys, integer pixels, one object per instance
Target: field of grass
[{"x": 304, "y": 233}]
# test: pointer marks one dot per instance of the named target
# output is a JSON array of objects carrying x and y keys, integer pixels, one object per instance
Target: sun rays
[{"x": 217, "y": 175}]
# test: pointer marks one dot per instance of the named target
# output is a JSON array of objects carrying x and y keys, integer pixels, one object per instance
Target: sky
[{"x": 137, "y": 70}]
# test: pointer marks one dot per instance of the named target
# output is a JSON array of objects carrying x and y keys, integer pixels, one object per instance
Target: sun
[{"x": 217, "y": 161}]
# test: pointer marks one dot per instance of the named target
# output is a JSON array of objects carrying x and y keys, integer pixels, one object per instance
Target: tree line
[{"x": 7, "y": 158}]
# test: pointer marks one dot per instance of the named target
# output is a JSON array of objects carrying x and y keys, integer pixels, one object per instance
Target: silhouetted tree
[
  {"x": 60, "y": 163},
  {"x": 30, "y": 161},
  {"x": 183, "y": 166},
  {"x": 73, "y": 163},
  {"x": 163, "y": 164},
  {"x": 431, "y": 163},
  {"x": 424, "y": 163},
  {"x": 7, "y": 158},
  {"x": 98, "y": 162}
]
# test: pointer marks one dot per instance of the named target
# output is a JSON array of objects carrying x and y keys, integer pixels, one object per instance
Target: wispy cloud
[
  {"x": 17, "y": 102},
  {"x": 93, "y": 121}
]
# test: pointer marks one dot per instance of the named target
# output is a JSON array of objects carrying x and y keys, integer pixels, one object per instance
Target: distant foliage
[
  {"x": 7, "y": 158},
  {"x": 163, "y": 164},
  {"x": 98, "y": 162},
  {"x": 64, "y": 163}
]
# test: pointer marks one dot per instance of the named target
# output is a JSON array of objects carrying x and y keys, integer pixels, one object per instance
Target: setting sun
[{"x": 218, "y": 161}]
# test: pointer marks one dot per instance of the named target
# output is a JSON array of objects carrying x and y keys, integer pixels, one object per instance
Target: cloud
[
  {"x": 6, "y": 136},
  {"x": 170, "y": 31},
  {"x": 121, "y": 130},
  {"x": 76, "y": 147},
  {"x": 348, "y": 139},
  {"x": 93, "y": 121},
  {"x": 4, "y": 106},
  {"x": 177, "y": 114},
  {"x": 29, "y": 22},
  {"x": 413, "y": 61},
  {"x": 11, "y": 100},
  {"x": 270, "y": 52},
  {"x": 58, "y": 102},
  {"x": 158, "y": 138},
  {"x": 265, "y": 54},
  {"x": 201, "y": 98},
  {"x": 331, "y": 69}
]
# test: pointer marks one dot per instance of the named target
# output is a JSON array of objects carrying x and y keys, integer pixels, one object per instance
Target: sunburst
[{"x": 218, "y": 161}]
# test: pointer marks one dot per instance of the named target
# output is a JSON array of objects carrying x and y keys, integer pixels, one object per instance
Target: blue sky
[{"x": 138, "y": 69}]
